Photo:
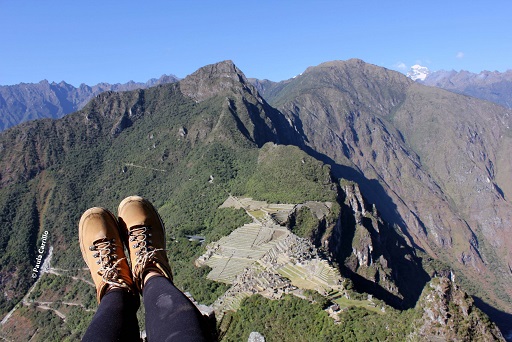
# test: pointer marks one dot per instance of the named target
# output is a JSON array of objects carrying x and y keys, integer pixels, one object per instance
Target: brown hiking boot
[
  {"x": 102, "y": 250},
  {"x": 144, "y": 235}
]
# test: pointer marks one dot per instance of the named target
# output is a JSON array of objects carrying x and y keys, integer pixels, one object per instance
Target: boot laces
[
  {"x": 146, "y": 252},
  {"x": 108, "y": 261}
]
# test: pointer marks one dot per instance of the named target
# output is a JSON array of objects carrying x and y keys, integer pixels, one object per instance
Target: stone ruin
[{"x": 264, "y": 257}]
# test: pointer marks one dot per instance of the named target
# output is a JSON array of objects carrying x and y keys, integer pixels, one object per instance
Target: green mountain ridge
[{"x": 188, "y": 145}]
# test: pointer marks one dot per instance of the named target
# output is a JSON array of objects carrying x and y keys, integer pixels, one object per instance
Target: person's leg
[
  {"x": 170, "y": 315},
  {"x": 115, "y": 319},
  {"x": 118, "y": 298}
]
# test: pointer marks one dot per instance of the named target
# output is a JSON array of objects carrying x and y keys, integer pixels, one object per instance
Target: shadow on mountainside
[
  {"x": 371, "y": 189},
  {"x": 502, "y": 319},
  {"x": 390, "y": 254}
]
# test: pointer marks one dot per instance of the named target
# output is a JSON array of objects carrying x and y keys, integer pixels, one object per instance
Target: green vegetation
[
  {"x": 305, "y": 223},
  {"x": 285, "y": 174},
  {"x": 295, "y": 319},
  {"x": 18, "y": 241},
  {"x": 360, "y": 303}
]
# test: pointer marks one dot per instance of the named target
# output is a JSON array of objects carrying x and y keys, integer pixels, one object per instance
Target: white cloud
[{"x": 459, "y": 55}]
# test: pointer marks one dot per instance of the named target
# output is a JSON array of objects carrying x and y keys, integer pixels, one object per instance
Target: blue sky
[{"x": 117, "y": 41}]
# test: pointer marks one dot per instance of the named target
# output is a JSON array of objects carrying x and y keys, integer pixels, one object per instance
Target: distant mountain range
[
  {"x": 488, "y": 85},
  {"x": 417, "y": 179},
  {"x": 492, "y": 86},
  {"x": 30, "y": 101}
]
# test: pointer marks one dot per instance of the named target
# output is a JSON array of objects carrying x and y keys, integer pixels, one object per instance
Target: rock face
[
  {"x": 244, "y": 104},
  {"x": 449, "y": 314},
  {"x": 372, "y": 254},
  {"x": 30, "y": 101}
]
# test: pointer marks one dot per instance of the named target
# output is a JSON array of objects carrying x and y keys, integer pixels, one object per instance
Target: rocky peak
[
  {"x": 244, "y": 111},
  {"x": 449, "y": 314},
  {"x": 213, "y": 80},
  {"x": 345, "y": 86},
  {"x": 355, "y": 199}
]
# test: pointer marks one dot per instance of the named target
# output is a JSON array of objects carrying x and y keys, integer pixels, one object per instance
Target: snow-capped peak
[{"x": 418, "y": 72}]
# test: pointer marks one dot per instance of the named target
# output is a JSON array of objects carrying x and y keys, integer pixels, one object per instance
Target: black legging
[{"x": 170, "y": 315}]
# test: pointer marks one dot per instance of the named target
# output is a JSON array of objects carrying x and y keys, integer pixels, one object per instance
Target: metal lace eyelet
[
  {"x": 95, "y": 255},
  {"x": 92, "y": 248}
]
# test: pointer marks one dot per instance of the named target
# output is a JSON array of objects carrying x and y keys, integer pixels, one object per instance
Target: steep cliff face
[
  {"x": 469, "y": 161},
  {"x": 373, "y": 254},
  {"x": 447, "y": 313}
]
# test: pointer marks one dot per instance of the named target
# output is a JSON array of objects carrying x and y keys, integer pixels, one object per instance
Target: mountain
[
  {"x": 434, "y": 163},
  {"x": 30, "y": 101},
  {"x": 488, "y": 85},
  {"x": 350, "y": 148},
  {"x": 418, "y": 72}
]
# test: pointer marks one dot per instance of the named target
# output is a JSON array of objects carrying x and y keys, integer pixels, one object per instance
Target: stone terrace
[{"x": 229, "y": 256}]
